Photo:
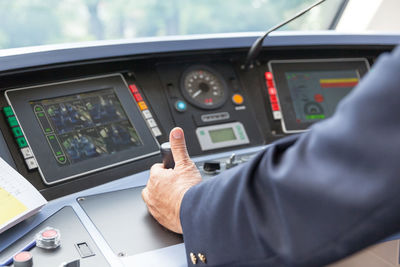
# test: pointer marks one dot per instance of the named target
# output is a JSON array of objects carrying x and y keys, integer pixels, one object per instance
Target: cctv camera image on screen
[{"x": 84, "y": 126}]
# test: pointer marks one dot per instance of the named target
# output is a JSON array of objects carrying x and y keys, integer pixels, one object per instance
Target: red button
[
  {"x": 138, "y": 97},
  {"x": 272, "y": 91},
  {"x": 49, "y": 233},
  {"x": 275, "y": 107},
  {"x": 270, "y": 83},
  {"x": 133, "y": 88},
  {"x": 273, "y": 99},
  {"x": 23, "y": 256},
  {"x": 268, "y": 76}
]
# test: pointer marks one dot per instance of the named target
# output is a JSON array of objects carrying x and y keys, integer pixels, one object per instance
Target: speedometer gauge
[{"x": 203, "y": 87}]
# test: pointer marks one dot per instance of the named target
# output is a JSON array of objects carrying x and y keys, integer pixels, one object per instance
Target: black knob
[
  {"x": 211, "y": 166},
  {"x": 167, "y": 158}
]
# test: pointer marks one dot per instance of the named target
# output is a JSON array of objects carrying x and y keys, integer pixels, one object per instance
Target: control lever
[
  {"x": 75, "y": 263},
  {"x": 167, "y": 158},
  {"x": 231, "y": 162}
]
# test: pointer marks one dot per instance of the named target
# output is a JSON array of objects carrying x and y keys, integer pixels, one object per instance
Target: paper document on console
[{"x": 19, "y": 199}]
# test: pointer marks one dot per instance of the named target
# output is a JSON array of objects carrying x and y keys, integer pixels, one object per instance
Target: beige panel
[
  {"x": 388, "y": 251},
  {"x": 381, "y": 255}
]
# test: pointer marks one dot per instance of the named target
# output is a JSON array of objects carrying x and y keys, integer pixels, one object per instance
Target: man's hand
[{"x": 166, "y": 187}]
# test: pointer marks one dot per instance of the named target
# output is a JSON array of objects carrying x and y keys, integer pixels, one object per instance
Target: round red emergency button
[
  {"x": 49, "y": 233},
  {"x": 23, "y": 256}
]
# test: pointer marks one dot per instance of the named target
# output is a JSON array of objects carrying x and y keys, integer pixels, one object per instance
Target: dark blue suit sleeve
[{"x": 311, "y": 199}]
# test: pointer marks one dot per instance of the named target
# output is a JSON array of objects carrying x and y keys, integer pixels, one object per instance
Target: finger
[
  {"x": 145, "y": 195},
  {"x": 157, "y": 167},
  {"x": 178, "y": 145}
]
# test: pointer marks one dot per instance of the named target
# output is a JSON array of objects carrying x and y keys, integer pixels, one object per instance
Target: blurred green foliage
[{"x": 38, "y": 22}]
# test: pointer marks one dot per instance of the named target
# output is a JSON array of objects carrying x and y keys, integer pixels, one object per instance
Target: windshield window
[{"x": 40, "y": 22}]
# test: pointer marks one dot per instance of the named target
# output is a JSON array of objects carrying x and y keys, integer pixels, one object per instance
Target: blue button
[{"x": 180, "y": 105}]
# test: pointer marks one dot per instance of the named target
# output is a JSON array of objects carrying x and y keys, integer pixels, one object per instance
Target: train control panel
[{"x": 85, "y": 125}]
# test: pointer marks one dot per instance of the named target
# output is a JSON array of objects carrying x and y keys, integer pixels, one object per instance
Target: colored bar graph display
[
  {"x": 315, "y": 117},
  {"x": 339, "y": 83}
]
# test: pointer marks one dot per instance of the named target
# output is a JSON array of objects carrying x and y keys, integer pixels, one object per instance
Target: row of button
[
  {"x": 276, "y": 111},
  {"x": 181, "y": 105},
  {"x": 145, "y": 110},
  {"x": 26, "y": 151}
]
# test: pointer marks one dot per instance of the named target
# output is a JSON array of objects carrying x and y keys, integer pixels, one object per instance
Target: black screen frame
[
  {"x": 278, "y": 69},
  {"x": 19, "y": 99}
]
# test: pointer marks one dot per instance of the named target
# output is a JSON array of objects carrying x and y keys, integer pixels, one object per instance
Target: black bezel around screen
[
  {"x": 280, "y": 67},
  {"x": 49, "y": 169}
]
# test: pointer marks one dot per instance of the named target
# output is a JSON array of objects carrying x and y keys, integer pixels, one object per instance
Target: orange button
[
  {"x": 142, "y": 105},
  {"x": 237, "y": 99}
]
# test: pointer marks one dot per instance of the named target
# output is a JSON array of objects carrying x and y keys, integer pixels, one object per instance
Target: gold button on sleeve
[
  {"x": 193, "y": 258},
  {"x": 202, "y": 257}
]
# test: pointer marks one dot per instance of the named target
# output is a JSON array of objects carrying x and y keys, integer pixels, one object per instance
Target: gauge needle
[{"x": 196, "y": 94}]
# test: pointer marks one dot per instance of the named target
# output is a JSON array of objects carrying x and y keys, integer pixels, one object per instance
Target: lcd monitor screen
[{"x": 85, "y": 126}]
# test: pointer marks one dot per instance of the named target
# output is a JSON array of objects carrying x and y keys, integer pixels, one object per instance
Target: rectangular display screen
[
  {"x": 85, "y": 126},
  {"x": 310, "y": 90},
  {"x": 315, "y": 94},
  {"x": 222, "y": 135}
]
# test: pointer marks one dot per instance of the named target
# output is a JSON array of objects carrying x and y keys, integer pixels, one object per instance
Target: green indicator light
[
  {"x": 62, "y": 159},
  {"x": 22, "y": 142},
  {"x": 315, "y": 117},
  {"x": 202, "y": 133},
  {"x": 58, "y": 153},
  {"x": 12, "y": 121},
  {"x": 51, "y": 137},
  {"x": 38, "y": 109},
  {"x": 17, "y": 132},
  {"x": 47, "y": 130},
  {"x": 8, "y": 111},
  {"x": 41, "y": 114}
]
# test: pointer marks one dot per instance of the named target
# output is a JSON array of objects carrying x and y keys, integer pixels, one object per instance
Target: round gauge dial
[{"x": 204, "y": 88}]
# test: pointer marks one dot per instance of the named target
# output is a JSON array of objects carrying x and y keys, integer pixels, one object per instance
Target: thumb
[{"x": 178, "y": 145}]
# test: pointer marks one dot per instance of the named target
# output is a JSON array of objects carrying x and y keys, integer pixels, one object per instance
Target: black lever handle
[{"x": 167, "y": 158}]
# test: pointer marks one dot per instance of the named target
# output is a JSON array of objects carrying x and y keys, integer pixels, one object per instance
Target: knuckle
[{"x": 184, "y": 162}]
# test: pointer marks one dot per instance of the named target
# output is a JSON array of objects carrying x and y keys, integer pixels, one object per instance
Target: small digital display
[
  {"x": 222, "y": 135},
  {"x": 85, "y": 126},
  {"x": 315, "y": 94},
  {"x": 309, "y": 91}
]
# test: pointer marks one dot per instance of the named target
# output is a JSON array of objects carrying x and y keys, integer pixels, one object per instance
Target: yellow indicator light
[
  {"x": 237, "y": 99},
  {"x": 142, "y": 105},
  {"x": 349, "y": 80}
]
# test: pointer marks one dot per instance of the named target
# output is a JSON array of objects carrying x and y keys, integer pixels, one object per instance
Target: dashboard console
[{"x": 84, "y": 125}]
